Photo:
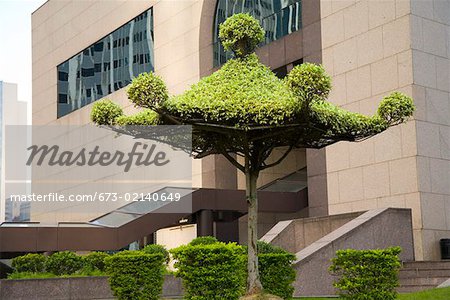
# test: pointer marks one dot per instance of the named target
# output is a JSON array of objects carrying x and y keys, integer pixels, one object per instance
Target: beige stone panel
[
  {"x": 45, "y": 115},
  {"x": 433, "y": 211},
  {"x": 354, "y": 106},
  {"x": 402, "y": 7},
  {"x": 178, "y": 48},
  {"x": 405, "y": 71},
  {"x": 438, "y": 106},
  {"x": 440, "y": 176},
  {"x": 328, "y": 62},
  {"x": 364, "y": 205},
  {"x": 358, "y": 84},
  {"x": 46, "y": 10},
  {"x": 403, "y": 176},
  {"x": 416, "y": 33},
  {"x": 376, "y": 181},
  {"x": 345, "y": 56},
  {"x": 395, "y": 36},
  {"x": 351, "y": 185},
  {"x": 356, "y": 19},
  {"x": 431, "y": 244},
  {"x": 441, "y": 11},
  {"x": 333, "y": 188},
  {"x": 311, "y": 44},
  {"x": 341, "y": 4},
  {"x": 444, "y": 137},
  {"x": 409, "y": 138},
  {"x": 46, "y": 98},
  {"x": 420, "y": 102},
  {"x": 165, "y": 10},
  {"x": 369, "y": 106},
  {"x": 413, "y": 201},
  {"x": 338, "y": 94},
  {"x": 341, "y": 208},
  {"x": 418, "y": 247},
  {"x": 381, "y": 12},
  {"x": 424, "y": 67},
  {"x": 180, "y": 71},
  {"x": 177, "y": 26},
  {"x": 388, "y": 145},
  {"x": 384, "y": 75},
  {"x": 434, "y": 38},
  {"x": 428, "y": 139},
  {"x": 391, "y": 201},
  {"x": 370, "y": 46},
  {"x": 332, "y": 29},
  {"x": 424, "y": 176},
  {"x": 362, "y": 153},
  {"x": 325, "y": 8},
  {"x": 422, "y": 8},
  {"x": 338, "y": 157},
  {"x": 447, "y": 210},
  {"x": 443, "y": 73}
]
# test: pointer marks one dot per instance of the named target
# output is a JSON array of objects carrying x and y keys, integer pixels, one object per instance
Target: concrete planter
[{"x": 71, "y": 288}]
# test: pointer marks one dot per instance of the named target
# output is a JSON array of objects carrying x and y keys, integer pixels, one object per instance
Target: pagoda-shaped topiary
[{"x": 243, "y": 110}]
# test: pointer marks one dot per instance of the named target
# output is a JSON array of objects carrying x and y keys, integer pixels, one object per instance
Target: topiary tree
[{"x": 243, "y": 110}]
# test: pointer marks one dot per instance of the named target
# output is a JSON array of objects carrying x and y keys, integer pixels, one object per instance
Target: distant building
[{"x": 12, "y": 112}]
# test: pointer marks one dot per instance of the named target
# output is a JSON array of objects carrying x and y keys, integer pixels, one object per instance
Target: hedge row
[{"x": 213, "y": 270}]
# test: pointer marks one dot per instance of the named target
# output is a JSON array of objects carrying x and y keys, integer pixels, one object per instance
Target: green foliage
[
  {"x": 105, "y": 112},
  {"x": 209, "y": 272},
  {"x": 309, "y": 81},
  {"x": 396, "y": 108},
  {"x": 136, "y": 276},
  {"x": 241, "y": 33},
  {"x": 204, "y": 240},
  {"x": 155, "y": 248},
  {"x": 64, "y": 263},
  {"x": 95, "y": 261},
  {"x": 30, "y": 275},
  {"x": 146, "y": 117},
  {"x": 277, "y": 274},
  {"x": 242, "y": 93},
  {"x": 148, "y": 90},
  {"x": 33, "y": 263},
  {"x": 367, "y": 274},
  {"x": 265, "y": 248},
  {"x": 337, "y": 121}
]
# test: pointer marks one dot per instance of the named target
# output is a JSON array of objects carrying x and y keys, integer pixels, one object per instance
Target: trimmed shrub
[
  {"x": 204, "y": 240},
  {"x": 136, "y": 276},
  {"x": 105, "y": 112},
  {"x": 30, "y": 263},
  {"x": 309, "y": 81},
  {"x": 209, "y": 272},
  {"x": 264, "y": 248},
  {"x": 277, "y": 274},
  {"x": 64, "y": 263},
  {"x": 367, "y": 274},
  {"x": 155, "y": 248},
  {"x": 95, "y": 261},
  {"x": 148, "y": 90}
]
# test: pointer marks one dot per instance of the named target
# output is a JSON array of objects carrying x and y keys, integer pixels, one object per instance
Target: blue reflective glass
[
  {"x": 277, "y": 17},
  {"x": 106, "y": 66}
]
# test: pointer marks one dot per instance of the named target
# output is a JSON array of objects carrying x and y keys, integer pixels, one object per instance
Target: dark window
[
  {"x": 281, "y": 72},
  {"x": 97, "y": 61}
]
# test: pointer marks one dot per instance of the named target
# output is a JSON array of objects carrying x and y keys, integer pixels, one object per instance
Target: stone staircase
[{"x": 421, "y": 275}]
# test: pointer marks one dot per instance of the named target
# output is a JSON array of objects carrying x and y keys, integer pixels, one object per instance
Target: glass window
[
  {"x": 277, "y": 17},
  {"x": 105, "y": 66}
]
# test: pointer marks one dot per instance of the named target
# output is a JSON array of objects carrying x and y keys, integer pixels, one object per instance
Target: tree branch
[{"x": 279, "y": 160}]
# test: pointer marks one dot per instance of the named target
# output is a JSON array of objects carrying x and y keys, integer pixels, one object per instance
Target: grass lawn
[{"x": 434, "y": 294}]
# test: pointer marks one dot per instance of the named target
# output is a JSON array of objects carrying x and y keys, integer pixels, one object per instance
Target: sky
[{"x": 15, "y": 45}]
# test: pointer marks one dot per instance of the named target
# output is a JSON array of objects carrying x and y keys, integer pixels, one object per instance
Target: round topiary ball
[
  {"x": 309, "y": 80},
  {"x": 105, "y": 112},
  {"x": 241, "y": 33},
  {"x": 396, "y": 108},
  {"x": 148, "y": 90}
]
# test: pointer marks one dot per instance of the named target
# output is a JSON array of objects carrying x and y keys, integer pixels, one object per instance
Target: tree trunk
[{"x": 253, "y": 281}]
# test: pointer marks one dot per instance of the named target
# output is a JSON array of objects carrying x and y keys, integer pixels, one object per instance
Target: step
[
  {"x": 426, "y": 265},
  {"x": 433, "y": 281},
  {"x": 414, "y": 273},
  {"x": 414, "y": 288}
]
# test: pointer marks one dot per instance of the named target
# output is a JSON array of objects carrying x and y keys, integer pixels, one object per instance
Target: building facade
[
  {"x": 12, "y": 112},
  {"x": 87, "y": 50}
]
